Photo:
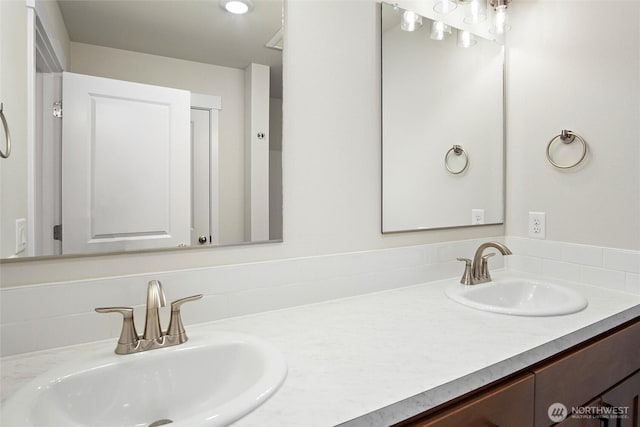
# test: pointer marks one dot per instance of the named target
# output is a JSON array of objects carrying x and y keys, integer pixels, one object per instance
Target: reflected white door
[{"x": 125, "y": 165}]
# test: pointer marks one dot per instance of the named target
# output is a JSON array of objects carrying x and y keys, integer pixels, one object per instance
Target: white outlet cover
[
  {"x": 537, "y": 225},
  {"x": 477, "y": 216}
]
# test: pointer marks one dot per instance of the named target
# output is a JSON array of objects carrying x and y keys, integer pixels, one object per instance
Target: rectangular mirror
[
  {"x": 156, "y": 124},
  {"x": 442, "y": 125}
]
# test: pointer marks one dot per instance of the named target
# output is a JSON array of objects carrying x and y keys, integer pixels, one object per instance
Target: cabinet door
[
  {"x": 510, "y": 404},
  {"x": 625, "y": 395},
  {"x": 585, "y": 374},
  {"x": 583, "y": 422}
]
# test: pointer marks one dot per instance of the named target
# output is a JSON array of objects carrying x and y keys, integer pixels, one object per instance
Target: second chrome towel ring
[
  {"x": 458, "y": 151},
  {"x": 7, "y": 151},
  {"x": 567, "y": 137}
]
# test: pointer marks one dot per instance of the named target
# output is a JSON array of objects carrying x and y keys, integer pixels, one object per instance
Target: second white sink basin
[
  {"x": 520, "y": 297},
  {"x": 211, "y": 380}
]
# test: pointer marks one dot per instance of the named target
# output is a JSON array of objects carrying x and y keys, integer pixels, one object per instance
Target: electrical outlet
[
  {"x": 21, "y": 235},
  {"x": 477, "y": 216},
  {"x": 537, "y": 225}
]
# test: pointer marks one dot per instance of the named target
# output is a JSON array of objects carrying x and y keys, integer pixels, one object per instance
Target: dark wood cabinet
[
  {"x": 618, "y": 406},
  {"x": 509, "y": 404},
  {"x": 579, "y": 376},
  {"x": 603, "y": 373},
  {"x": 625, "y": 395}
]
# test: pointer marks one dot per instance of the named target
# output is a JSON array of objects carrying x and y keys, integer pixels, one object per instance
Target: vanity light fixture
[
  {"x": 476, "y": 11},
  {"x": 445, "y": 6},
  {"x": 439, "y": 30},
  {"x": 411, "y": 21},
  {"x": 237, "y": 7},
  {"x": 500, "y": 20},
  {"x": 466, "y": 39}
]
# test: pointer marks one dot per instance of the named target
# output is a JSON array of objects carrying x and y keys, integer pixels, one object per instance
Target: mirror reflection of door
[
  {"x": 125, "y": 205},
  {"x": 126, "y": 172}
]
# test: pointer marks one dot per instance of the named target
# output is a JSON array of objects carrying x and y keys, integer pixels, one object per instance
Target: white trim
[
  {"x": 39, "y": 44},
  {"x": 31, "y": 128},
  {"x": 213, "y": 104},
  {"x": 45, "y": 23}
]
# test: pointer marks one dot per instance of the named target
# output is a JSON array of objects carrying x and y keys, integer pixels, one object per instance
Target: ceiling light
[{"x": 237, "y": 7}]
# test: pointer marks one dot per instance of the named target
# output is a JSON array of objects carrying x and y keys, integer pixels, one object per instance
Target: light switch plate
[{"x": 21, "y": 235}]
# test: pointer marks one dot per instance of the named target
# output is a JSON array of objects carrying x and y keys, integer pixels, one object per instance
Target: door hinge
[
  {"x": 57, "y": 109},
  {"x": 57, "y": 232}
]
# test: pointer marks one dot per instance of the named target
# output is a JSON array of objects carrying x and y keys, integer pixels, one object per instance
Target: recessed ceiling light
[{"x": 237, "y": 7}]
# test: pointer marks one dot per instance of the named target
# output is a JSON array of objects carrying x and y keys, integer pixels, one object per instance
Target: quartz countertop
[{"x": 380, "y": 358}]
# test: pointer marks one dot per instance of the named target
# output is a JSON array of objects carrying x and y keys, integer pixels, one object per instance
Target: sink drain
[{"x": 160, "y": 423}]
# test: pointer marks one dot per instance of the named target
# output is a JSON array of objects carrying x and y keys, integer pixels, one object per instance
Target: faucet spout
[
  {"x": 480, "y": 270},
  {"x": 155, "y": 300}
]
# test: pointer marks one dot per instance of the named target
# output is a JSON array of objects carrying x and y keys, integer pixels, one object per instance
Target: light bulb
[
  {"x": 439, "y": 30},
  {"x": 476, "y": 11},
  {"x": 445, "y": 6},
  {"x": 466, "y": 39},
  {"x": 500, "y": 22},
  {"x": 411, "y": 21}
]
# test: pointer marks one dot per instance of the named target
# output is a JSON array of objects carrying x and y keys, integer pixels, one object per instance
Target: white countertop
[{"x": 377, "y": 359}]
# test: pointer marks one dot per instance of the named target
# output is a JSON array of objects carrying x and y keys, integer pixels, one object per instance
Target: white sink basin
[
  {"x": 520, "y": 297},
  {"x": 211, "y": 380}
]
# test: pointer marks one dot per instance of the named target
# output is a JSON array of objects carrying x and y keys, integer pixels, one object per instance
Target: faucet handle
[
  {"x": 484, "y": 266},
  {"x": 128, "y": 335},
  {"x": 176, "y": 329},
  {"x": 466, "y": 278}
]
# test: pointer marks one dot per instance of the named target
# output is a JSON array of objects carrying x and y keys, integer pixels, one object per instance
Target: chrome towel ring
[
  {"x": 458, "y": 151},
  {"x": 567, "y": 137},
  {"x": 7, "y": 152}
]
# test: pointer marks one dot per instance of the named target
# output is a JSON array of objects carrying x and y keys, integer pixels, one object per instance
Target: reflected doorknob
[{"x": 202, "y": 240}]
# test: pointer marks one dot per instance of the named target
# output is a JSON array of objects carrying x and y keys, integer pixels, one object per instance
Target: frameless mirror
[
  {"x": 170, "y": 129},
  {"x": 442, "y": 125}
]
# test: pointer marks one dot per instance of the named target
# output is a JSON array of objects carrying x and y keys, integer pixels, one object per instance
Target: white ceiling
[{"x": 198, "y": 30}]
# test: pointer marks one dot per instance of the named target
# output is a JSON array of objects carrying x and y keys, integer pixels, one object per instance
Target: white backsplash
[
  {"x": 48, "y": 315},
  {"x": 42, "y": 316},
  {"x": 593, "y": 265}
]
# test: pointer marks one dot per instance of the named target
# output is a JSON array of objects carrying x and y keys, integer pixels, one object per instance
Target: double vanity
[{"x": 371, "y": 360}]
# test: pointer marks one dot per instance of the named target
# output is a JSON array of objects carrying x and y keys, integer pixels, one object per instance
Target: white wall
[
  {"x": 13, "y": 94},
  {"x": 575, "y": 65},
  {"x": 196, "y": 77},
  {"x": 331, "y": 156}
]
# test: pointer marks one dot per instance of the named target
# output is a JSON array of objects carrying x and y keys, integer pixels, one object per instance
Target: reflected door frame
[
  {"x": 211, "y": 105},
  {"x": 45, "y": 63}
]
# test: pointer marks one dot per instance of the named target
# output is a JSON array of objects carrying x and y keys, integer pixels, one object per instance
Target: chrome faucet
[
  {"x": 477, "y": 271},
  {"x": 153, "y": 337}
]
